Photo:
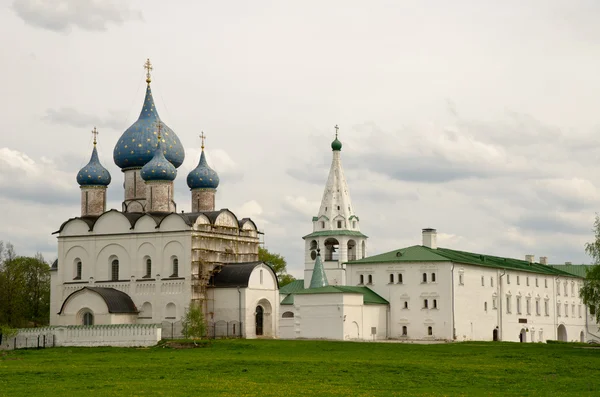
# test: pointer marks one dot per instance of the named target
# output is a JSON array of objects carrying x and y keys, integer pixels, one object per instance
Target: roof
[
  {"x": 369, "y": 296},
  {"x": 335, "y": 232},
  {"x": 294, "y": 286},
  {"x": 232, "y": 275},
  {"x": 419, "y": 253},
  {"x": 576, "y": 270},
  {"x": 117, "y": 301},
  {"x": 319, "y": 278}
]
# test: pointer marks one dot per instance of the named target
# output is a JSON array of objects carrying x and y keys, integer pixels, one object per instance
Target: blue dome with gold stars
[
  {"x": 137, "y": 144},
  {"x": 203, "y": 177},
  {"x": 93, "y": 174},
  {"x": 159, "y": 168}
]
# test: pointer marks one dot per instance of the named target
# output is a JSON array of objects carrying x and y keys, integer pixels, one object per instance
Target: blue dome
[
  {"x": 137, "y": 144},
  {"x": 203, "y": 177},
  {"x": 159, "y": 168},
  {"x": 93, "y": 174}
]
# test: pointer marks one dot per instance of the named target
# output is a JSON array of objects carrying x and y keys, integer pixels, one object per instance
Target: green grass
[{"x": 305, "y": 368}]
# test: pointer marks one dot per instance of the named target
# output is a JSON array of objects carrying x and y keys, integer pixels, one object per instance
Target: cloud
[
  {"x": 23, "y": 178},
  {"x": 74, "y": 118},
  {"x": 62, "y": 15}
]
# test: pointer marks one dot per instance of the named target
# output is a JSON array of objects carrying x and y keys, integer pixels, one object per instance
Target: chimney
[
  {"x": 544, "y": 260},
  {"x": 530, "y": 258},
  {"x": 430, "y": 238}
]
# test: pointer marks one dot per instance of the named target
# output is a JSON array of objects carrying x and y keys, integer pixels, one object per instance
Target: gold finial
[
  {"x": 336, "y": 130},
  {"x": 202, "y": 136},
  {"x": 95, "y": 134},
  {"x": 159, "y": 129},
  {"x": 148, "y": 67}
]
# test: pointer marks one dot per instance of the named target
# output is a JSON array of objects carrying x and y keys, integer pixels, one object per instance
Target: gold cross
[
  {"x": 202, "y": 136},
  {"x": 95, "y": 134},
  {"x": 336, "y": 130},
  {"x": 148, "y": 67},
  {"x": 159, "y": 129}
]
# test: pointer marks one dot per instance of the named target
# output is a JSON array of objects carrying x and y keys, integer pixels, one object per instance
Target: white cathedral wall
[
  {"x": 320, "y": 316},
  {"x": 262, "y": 290}
]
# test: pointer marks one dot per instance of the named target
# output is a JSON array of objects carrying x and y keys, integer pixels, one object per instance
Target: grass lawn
[{"x": 305, "y": 368}]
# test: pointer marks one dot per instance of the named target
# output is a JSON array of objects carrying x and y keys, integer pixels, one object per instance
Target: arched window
[
  {"x": 433, "y": 277},
  {"x": 171, "y": 311},
  {"x": 114, "y": 270},
  {"x": 148, "y": 268},
  {"x": 370, "y": 279},
  {"x": 429, "y": 331},
  {"x": 362, "y": 279},
  {"x": 485, "y": 306},
  {"x": 175, "y": 268},
  {"x": 406, "y": 304},
  {"x": 88, "y": 318},
  {"x": 435, "y": 303},
  {"x": 425, "y": 304},
  {"x": 424, "y": 277},
  {"x": 363, "y": 252},
  {"x": 77, "y": 270},
  {"x": 351, "y": 250},
  {"x": 261, "y": 276},
  {"x": 404, "y": 330},
  {"x": 287, "y": 315},
  {"x": 392, "y": 278},
  {"x": 399, "y": 278}
]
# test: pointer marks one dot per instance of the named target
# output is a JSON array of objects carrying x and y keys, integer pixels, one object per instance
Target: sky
[{"x": 477, "y": 118}]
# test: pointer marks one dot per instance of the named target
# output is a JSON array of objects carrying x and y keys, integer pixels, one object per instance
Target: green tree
[
  {"x": 278, "y": 264},
  {"x": 193, "y": 323},
  {"x": 590, "y": 292}
]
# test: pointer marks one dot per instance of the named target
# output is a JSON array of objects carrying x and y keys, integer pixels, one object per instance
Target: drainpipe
[
  {"x": 240, "y": 310},
  {"x": 453, "y": 303},
  {"x": 500, "y": 328}
]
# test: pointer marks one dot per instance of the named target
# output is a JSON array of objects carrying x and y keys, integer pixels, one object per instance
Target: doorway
[
  {"x": 562, "y": 333},
  {"x": 259, "y": 320},
  {"x": 495, "y": 335},
  {"x": 523, "y": 335}
]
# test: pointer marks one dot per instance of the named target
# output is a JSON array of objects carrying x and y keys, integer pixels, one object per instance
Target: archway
[
  {"x": 581, "y": 337},
  {"x": 523, "y": 335},
  {"x": 331, "y": 249},
  {"x": 351, "y": 250},
  {"x": 495, "y": 335},
  {"x": 561, "y": 333},
  {"x": 259, "y": 320}
]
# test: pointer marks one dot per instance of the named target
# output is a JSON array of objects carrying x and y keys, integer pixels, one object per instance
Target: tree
[
  {"x": 590, "y": 292},
  {"x": 278, "y": 264},
  {"x": 193, "y": 321}
]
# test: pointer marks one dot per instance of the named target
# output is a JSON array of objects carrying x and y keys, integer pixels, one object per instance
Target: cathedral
[{"x": 147, "y": 263}]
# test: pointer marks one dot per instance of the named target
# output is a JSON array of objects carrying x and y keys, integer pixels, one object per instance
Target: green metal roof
[
  {"x": 576, "y": 270},
  {"x": 369, "y": 296},
  {"x": 294, "y": 286},
  {"x": 319, "y": 278},
  {"x": 288, "y": 300},
  {"x": 419, "y": 253},
  {"x": 336, "y": 232}
]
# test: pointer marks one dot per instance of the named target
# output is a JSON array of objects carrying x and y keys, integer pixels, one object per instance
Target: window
[
  {"x": 527, "y": 280},
  {"x": 491, "y": 281},
  {"x": 528, "y": 305},
  {"x": 545, "y": 283},
  {"x": 558, "y": 309},
  {"x": 261, "y": 276},
  {"x": 362, "y": 279},
  {"x": 518, "y": 305},
  {"x": 370, "y": 279},
  {"x": 565, "y": 285},
  {"x": 429, "y": 331},
  {"x": 461, "y": 279},
  {"x": 424, "y": 277},
  {"x": 406, "y": 304},
  {"x": 485, "y": 306},
  {"x": 425, "y": 304},
  {"x": 354, "y": 224},
  {"x": 508, "y": 279},
  {"x": 518, "y": 281},
  {"x": 573, "y": 310},
  {"x": 399, "y": 278},
  {"x": 88, "y": 318},
  {"x": 572, "y": 288},
  {"x": 338, "y": 207},
  {"x": 566, "y": 310},
  {"x": 507, "y": 303},
  {"x": 435, "y": 303},
  {"x": 537, "y": 307},
  {"x": 392, "y": 278},
  {"x": 404, "y": 330},
  {"x": 536, "y": 282},
  {"x": 322, "y": 224},
  {"x": 433, "y": 277},
  {"x": 175, "y": 268},
  {"x": 339, "y": 224},
  {"x": 546, "y": 308},
  {"x": 114, "y": 270},
  {"x": 77, "y": 271},
  {"x": 148, "y": 268},
  {"x": 579, "y": 310},
  {"x": 494, "y": 303},
  {"x": 287, "y": 315},
  {"x": 482, "y": 281},
  {"x": 558, "y": 288}
]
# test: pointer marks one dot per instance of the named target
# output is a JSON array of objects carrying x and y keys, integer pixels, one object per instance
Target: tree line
[{"x": 24, "y": 289}]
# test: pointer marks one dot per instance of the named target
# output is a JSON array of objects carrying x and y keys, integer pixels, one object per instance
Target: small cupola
[
  {"x": 93, "y": 179},
  {"x": 203, "y": 182}
]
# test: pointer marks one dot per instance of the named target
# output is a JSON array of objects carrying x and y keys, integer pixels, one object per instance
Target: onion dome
[
  {"x": 93, "y": 174},
  {"x": 203, "y": 177},
  {"x": 137, "y": 144},
  {"x": 336, "y": 145},
  {"x": 159, "y": 168}
]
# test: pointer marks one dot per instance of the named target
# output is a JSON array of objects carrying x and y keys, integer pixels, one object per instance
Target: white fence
[{"x": 124, "y": 335}]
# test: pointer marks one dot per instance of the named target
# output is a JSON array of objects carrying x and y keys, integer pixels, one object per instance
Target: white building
[
  {"x": 146, "y": 263},
  {"x": 424, "y": 291}
]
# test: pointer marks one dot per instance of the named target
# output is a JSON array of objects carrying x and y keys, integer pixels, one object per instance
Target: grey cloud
[
  {"x": 549, "y": 222},
  {"x": 74, "y": 118},
  {"x": 62, "y": 15}
]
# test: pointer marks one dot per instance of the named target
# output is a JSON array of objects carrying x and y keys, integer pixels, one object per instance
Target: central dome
[{"x": 138, "y": 143}]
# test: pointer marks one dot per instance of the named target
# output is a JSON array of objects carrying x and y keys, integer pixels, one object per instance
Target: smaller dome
[
  {"x": 93, "y": 174},
  {"x": 159, "y": 168},
  {"x": 336, "y": 145},
  {"x": 203, "y": 177}
]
